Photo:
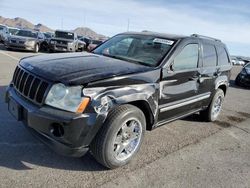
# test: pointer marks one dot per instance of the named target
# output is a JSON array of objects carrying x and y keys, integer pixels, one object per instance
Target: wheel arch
[
  {"x": 223, "y": 87},
  {"x": 145, "y": 108}
]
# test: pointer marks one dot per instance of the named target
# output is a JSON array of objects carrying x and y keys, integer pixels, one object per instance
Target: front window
[
  {"x": 64, "y": 35},
  {"x": 48, "y": 35},
  {"x": 141, "y": 49},
  {"x": 187, "y": 58},
  {"x": 26, "y": 33}
]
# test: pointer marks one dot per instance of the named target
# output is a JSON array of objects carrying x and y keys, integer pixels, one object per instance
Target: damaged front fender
[{"x": 104, "y": 99}]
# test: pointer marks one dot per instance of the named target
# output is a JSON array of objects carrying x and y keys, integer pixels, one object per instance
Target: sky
[{"x": 227, "y": 20}]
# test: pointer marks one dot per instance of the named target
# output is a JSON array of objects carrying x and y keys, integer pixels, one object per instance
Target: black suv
[{"x": 105, "y": 100}]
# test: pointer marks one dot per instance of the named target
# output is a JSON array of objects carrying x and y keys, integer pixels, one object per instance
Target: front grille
[
  {"x": 30, "y": 86},
  {"x": 61, "y": 42}
]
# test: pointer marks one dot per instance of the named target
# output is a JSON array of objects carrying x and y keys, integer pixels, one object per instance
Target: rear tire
[
  {"x": 214, "y": 108},
  {"x": 120, "y": 137}
]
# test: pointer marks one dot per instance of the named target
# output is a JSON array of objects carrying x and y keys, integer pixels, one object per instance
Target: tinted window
[
  {"x": 26, "y": 33},
  {"x": 140, "y": 49},
  {"x": 121, "y": 47},
  {"x": 248, "y": 65},
  {"x": 187, "y": 58},
  {"x": 65, "y": 35},
  {"x": 209, "y": 55},
  {"x": 222, "y": 56}
]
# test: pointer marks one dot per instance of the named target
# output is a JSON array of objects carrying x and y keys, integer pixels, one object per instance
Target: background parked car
[
  {"x": 243, "y": 78},
  {"x": 3, "y": 30},
  {"x": 48, "y": 36},
  {"x": 25, "y": 40},
  {"x": 93, "y": 44},
  {"x": 65, "y": 41},
  {"x": 10, "y": 31},
  {"x": 241, "y": 63},
  {"x": 87, "y": 41}
]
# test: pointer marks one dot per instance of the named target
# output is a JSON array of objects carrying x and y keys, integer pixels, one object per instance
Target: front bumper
[
  {"x": 19, "y": 46},
  {"x": 64, "y": 132},
  {"x": 61, "y": 48}
]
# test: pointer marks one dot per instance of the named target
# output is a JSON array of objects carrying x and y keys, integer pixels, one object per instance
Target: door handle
[{"x": 195, "y": 78}]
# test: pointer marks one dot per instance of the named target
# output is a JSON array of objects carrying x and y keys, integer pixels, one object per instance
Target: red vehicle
[{"x": 93, "y": 44}]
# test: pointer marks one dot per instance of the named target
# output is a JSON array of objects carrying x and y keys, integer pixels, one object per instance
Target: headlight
[
  {"x": 70, "y": 43},
  {"x": 30, "y": 42},
  {"x": 67, "y": 98},
  {"x": 52, "y": 42}
]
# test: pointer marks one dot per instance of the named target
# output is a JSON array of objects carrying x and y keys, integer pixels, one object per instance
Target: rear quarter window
[
  {"x": 209, "y": 55},
  {"x": 222, "y": 56}
]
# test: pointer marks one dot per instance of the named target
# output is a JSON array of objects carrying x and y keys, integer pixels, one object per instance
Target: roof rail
[{"x": 205, "y": 37}]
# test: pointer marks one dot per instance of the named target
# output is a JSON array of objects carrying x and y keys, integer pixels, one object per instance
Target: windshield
[
  {"x": 26, "y": 33},
  {"x": 48, "y": 35},
  {"x": 13, "y": 31},
  {"x": 247, "y": 65},
  {"x": 65, "y": 35},
  {"x": 141, "y": 49}
]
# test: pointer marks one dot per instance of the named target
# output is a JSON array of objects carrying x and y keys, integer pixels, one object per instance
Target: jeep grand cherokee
[{"x": 105, "y": 100}]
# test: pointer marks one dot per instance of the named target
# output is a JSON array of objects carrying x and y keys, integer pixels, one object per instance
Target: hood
[
  {"x": 21, "y": 38},
  {"x": 78, "y": 68},
  {"x": 62, "y": 39}
]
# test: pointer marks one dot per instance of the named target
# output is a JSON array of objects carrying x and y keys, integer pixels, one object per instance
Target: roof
[
  {"x": 13, "y": 28},
  {"x": 66, "y": 31},
  {"x": 173, "y": 36},
  {"x": 156, "y": 34}
]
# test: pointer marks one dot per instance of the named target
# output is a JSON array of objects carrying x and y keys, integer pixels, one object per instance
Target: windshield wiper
[{"x": 127, "y": 59}]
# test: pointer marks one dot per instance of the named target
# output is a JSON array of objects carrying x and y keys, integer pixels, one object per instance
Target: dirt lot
[{"x": 184, "y": 153}]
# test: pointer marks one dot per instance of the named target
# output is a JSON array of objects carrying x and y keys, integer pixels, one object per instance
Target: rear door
[
  {"x": 209, "y": 71},
  {"x": 179, "y": 84}
]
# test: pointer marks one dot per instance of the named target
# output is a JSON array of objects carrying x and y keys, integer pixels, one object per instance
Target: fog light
[{"x": 57, "y": 130}]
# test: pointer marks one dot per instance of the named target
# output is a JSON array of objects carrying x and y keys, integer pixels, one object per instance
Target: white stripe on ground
[{"x": 12, "y": 57}]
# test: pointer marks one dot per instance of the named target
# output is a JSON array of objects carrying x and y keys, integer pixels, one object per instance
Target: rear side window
[
  {"x": 209, "y": 55},
  {"x": 187, "y": 58},
  {"x": 222, "y": 56}
]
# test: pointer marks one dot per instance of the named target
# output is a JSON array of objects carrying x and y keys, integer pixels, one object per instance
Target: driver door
[{"x": 180, "y": 82}]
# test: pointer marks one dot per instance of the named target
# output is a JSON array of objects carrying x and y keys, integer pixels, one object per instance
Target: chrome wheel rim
[
  {"x": 217, "y": 106},
  {"x": 127, "y": 139},
  {"x": 36, "y": 48}
]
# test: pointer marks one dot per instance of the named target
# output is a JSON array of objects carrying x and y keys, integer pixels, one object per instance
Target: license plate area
[{"x": 15, "y": 109}]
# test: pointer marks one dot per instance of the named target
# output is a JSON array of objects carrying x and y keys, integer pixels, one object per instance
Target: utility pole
[
  {"x": 84, "y": 19},
  {"x": 128, "y": 24}
]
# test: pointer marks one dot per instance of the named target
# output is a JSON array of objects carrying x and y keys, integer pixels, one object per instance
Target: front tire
[
  {"x": 36, "y": 48},
  {"x": 214, "y": 108},
  {"x": 120, "y": 137}
]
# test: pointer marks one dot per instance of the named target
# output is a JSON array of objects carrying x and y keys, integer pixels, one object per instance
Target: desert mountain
[{"x": 22, "y": 23}]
